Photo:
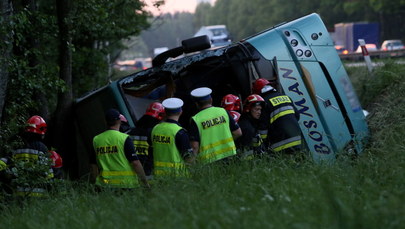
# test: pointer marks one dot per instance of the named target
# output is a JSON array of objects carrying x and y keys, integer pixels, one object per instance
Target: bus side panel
[
  {"x": 314, "y": 133},
  {"x": 327, "y": 105},
  {"x": 90, "y": 121},
  {"x": 344, "y": 89}
]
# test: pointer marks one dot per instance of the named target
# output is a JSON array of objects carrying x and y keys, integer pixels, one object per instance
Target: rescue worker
[
  {"x": 231, "y": 103},
  {"x": 141, "y": 135},
  {"x": 171, "y": 145},
  {"x": 250, "y": 143},
  {"x": 125, "y": 127},
  {"x": 57, "y": 164},
  {"x": 32, "y": 162},
  {"x": 116, "y": 159},
  {"x": 212, "y": 129},
  {"x": 280, "y": 119}
]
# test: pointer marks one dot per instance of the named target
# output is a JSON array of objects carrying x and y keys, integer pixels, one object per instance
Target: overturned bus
[{"x": 299, "y": 54}]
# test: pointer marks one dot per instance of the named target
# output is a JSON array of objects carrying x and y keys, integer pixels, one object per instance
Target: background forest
[{"x": 53, "y": 52}]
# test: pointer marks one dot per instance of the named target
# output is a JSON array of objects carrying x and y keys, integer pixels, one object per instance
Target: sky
[{"x": 172, "y": 6}]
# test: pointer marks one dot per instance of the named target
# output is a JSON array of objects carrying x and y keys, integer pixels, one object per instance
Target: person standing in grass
[
  {"x": 31, "y": 163},
  {"x": 170, "y": 142},
  {"x": 141, "y": 135},
  {"x": 116, "y": 159},
  {"x": 280, "y": 119},
  {"x": 212, "y": 129},
  {"x": 250, "y": 143}
]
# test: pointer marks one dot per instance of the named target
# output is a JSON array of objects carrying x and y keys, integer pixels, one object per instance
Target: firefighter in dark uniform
[
  {"x": 250, "y": 143},
  {"x": 171, "y": 144},
  {"x": 212, "y": 129},
  {"x": 33, "y": 160},
  {"x": 280, "y": 119},
  {"x": 116, "y": 159},
  {"x": 141, "y": 135}
]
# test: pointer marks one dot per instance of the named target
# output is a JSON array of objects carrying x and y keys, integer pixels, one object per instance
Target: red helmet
[
  {"x": 156, "y": 110},
  {"x": 56, "y": 159},
  {"x": 252, "y": 100},
  {"x": 235, "y": 115},
  {"x": 36, "y": 124},
  {"x": 231, "y": 102},
  {"x": 258, "y": 85}
]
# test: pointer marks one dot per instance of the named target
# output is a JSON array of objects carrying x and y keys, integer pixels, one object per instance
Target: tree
[
  {"x": 63, "y": 118},
  {"x": 89, "y": 31},
  {"x": 5, "y": 50},
  {"x": 169, "y": 30},
  {"x": 201, "y": 15}
]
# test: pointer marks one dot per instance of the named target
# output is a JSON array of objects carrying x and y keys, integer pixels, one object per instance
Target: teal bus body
[{"x": 312, "y": 74}]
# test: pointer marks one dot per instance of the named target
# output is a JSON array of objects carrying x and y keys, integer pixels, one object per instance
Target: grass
[{"x": 364, "y": 193}]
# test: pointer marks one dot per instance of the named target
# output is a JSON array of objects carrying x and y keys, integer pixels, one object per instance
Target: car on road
[
  {"x": 392, "y": 45},
  {"x": 298, "y": 56},
  {"x": 369, "y": 47},
  {"x": 218, "y": 35},
  {"x": 341, "y": 49}
]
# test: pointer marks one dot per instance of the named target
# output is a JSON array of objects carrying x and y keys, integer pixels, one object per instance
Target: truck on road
[{"x": 348, "y": 34}]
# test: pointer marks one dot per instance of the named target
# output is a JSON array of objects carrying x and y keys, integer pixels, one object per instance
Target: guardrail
[{"x": 374, "y": 54}]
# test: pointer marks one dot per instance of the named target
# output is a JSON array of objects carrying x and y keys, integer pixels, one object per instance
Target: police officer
[
  {"x": 250, "y": 143},
  {"x": 141, "y": 135},
  {"x": 280, "y": 119},
  {"x": 171, "y": 145},
  {"x": 116, "y": 157},
  {"x": 33, "y": 160},
  {"x": 212, "y": 129}
]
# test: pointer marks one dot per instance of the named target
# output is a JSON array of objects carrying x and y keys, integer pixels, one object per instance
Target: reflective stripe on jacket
[
  {"x": 286, "y": 143},
  {"x": 116, "y": 170},
  {"x": 216, "y": 140},
  {"x": 167, "y": 160},
  {"x": 32, "y": 157},
  {"x": 283, "y": 130}
]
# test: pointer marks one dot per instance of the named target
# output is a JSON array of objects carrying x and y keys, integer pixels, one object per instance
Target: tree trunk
[
  {"x": 43, "y": 109},
  {"x": 63, "y": 119},
  {"x": 6, "y": 10}
]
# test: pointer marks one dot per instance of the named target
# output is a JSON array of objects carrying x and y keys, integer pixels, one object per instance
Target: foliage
[
  {"x": 111, "y": 22},
  {"x": 168, "y": 31},
  {"x": 97, "y": 28},
  {"x": 30, "y": 175},
  {"x": 375, "y": 84},
  {"x": 33, "y": 41},
  {"x": 245, "y": 18}
]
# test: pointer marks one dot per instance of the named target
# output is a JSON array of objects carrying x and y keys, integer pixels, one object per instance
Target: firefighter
[
  {"x": 116, "y": 159},
  {"x": 231, "y": 103},
  {"x": 280, "y": 119},
  {"x": 141, "y": 135},
  {"x": 212, "y": 129},
  {"x": 32, "y": 161},
  {"x": 57, "y": 164},
  {"x": 171, "y": 145},
  {"x": 250, "y": 143}
]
